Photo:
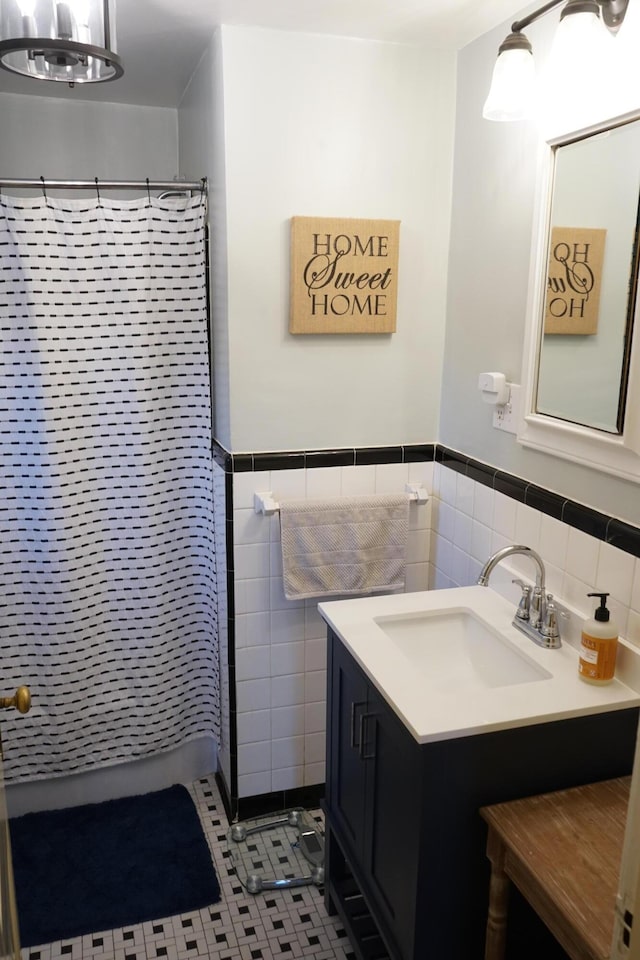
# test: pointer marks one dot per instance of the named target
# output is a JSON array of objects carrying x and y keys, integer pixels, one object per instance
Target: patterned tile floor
[
  {"x": 273, "y": 853},
  {"x": 272, "y": 925}
]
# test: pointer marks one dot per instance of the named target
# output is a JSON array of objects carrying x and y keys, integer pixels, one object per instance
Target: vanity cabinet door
[
  {"x": 393, "y": 825},
  {"x": 374, "y": 797},
  {"x": 347, "y": 723}
]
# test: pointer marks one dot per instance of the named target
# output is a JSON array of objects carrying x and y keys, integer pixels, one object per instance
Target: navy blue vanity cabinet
[{"x": 405, "y": 847}]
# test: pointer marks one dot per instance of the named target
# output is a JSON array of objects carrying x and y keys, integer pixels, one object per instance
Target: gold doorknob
[{"x": 21, "y": 700}]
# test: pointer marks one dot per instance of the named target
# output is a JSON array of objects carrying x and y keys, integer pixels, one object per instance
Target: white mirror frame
[{"x": 615, "y": 454}]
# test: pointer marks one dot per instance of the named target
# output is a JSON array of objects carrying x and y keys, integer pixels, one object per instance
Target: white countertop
[{"x": 442, "y": 713}]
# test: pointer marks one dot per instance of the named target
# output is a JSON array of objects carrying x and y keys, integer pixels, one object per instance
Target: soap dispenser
[{"x": 599, "y": 645}]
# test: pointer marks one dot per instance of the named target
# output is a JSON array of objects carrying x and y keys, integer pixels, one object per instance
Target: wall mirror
[{"x": 582, "y": 369}]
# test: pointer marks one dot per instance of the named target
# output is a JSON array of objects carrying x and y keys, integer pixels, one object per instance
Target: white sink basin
[
  {"x": 451, "y": 664},
  {"x": 457, "y": 648}
]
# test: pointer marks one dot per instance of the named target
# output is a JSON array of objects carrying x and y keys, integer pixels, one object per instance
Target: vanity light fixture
[
  {"x": 584, "y": 33},
  {"x": 69, "y": 42}
]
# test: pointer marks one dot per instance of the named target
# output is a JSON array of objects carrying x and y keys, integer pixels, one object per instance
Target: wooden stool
[{"x": 563, "y": 851}]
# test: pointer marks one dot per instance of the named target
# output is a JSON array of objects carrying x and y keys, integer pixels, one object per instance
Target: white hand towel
[{"x": 343, "y": 546}]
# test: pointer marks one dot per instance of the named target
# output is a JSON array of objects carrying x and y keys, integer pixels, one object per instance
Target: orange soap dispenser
[{"x": 599, "y": 645}]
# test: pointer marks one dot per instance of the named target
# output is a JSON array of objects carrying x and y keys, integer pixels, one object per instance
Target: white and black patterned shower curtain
[{"x": 108, "y": 606}]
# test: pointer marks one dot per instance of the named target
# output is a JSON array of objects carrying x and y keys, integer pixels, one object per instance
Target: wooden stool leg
[{"x": 498, "y": 902}]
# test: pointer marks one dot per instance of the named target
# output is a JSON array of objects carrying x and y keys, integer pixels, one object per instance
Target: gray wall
[
  {"x": 201, "y": 141},
  {"x": 60, "y": 139},
  {"x": 330, "y": 127},
  {"x": 494, "y": 191}
]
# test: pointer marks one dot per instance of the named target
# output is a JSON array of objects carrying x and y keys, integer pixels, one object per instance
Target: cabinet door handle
[
  {"x": 363, "y": 737},
  {"x": 355, "y": 706}
]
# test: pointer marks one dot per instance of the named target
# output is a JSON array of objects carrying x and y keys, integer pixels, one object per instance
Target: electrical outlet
[{"x": 507, "y": 415}]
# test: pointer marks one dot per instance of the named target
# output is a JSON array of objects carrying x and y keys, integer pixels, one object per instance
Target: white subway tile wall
[
  {"x": 576, "y": 563},
  {"x": 281, "y": 644}
]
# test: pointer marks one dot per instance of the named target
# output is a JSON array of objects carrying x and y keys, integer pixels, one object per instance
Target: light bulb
[{"x": 80, "y": 11}]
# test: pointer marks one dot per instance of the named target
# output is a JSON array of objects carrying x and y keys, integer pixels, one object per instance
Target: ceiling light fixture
[
  {"x": 585, "y": 30},
  {"x": 68, "y": 42}
]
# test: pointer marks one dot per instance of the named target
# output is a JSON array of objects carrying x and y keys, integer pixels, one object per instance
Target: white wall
[
  {"x": 61, "y": 139},
  {"x": 494, "y": 189},
  {"x": 201, "y": 139},
  {"x": 324, "y": 126}
]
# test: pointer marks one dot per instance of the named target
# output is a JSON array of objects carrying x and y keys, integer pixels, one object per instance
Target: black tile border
[
  {"x": 511, "y": 486},
  {"x": 310, "y": 459},
  {"x": 329, "y": 458},
  {"x": 225, "y": 796},
  {"x": 365, "y": 456},
  {"x": 242, "y": 463},
  {"x": 249, "y": 807},
  {"x": 543, "y": 500},
  {"x": 585, "y": 519},
  {"x": 451, "y": 459},
  {"x": 229, "y": 791},
  {"x": 278, "y": 461},
  {"x": 419, "y": 453},
  {"x": 480, "y": 472},
  {"x": 220, "y": 456},
  {"x": 603, "y": 527},
  {"x": 623, "y": 536}
]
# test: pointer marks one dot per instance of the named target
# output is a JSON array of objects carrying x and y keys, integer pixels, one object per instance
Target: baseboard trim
[{"x": 307, "y": 797}]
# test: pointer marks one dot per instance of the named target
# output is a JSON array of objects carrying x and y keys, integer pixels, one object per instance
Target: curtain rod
[{"x": 41, "y": 182}]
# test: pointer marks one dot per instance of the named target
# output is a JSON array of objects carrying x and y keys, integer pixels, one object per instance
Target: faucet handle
[
  {"x": 523, "y": 611},
  {"x": 549, "y": 628},
  {"x": 536, "y": 608}
]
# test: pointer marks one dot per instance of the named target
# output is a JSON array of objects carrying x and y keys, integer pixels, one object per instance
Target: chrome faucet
[{"x": 536, "y": 613}]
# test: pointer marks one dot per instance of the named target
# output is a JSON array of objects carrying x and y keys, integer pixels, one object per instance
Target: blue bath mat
[{"x": 109, "y": 865}]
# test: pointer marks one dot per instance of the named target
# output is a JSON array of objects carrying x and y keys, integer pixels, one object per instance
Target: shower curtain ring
[
  {"x": 44, "y": 191},
  {"x": 98, "y": 192},
  {"x": 148, "y": 193},
  {"x": 203, "y": 184}
]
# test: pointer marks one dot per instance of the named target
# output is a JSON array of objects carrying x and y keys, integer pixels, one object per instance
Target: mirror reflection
[{"x": 591, "y": 279}]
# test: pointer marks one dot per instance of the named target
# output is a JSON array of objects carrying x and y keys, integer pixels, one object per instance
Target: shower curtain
[{"x": 108, "y": 606}]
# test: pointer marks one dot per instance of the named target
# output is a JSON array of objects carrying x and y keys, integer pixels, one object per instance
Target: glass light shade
[
  {"x": 512, "y": 86},
  {"x": 81, "y": 10},
  {"x": 627, "y": 43},
  {"x": 579, "y": 76},
  {"x": 69, "y": 41}
]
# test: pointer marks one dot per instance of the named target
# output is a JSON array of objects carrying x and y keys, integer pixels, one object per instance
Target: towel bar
[{"x": 263, "y": 503}]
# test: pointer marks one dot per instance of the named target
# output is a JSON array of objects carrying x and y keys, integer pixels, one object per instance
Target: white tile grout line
[{"x": 273, "y": 925}]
